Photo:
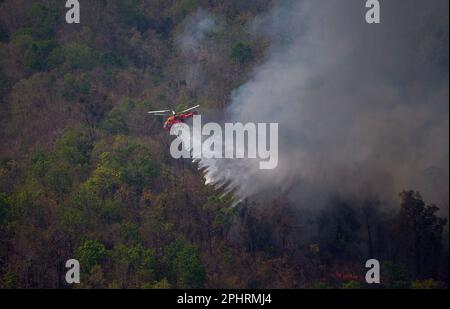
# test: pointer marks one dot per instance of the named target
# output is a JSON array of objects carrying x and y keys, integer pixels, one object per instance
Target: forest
[{"x": 86, "y": 173}]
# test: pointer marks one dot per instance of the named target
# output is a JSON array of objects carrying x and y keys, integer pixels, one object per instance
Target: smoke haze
[
  {"x": 192, "y": 44},
  {"x": 362, "y": 109}
]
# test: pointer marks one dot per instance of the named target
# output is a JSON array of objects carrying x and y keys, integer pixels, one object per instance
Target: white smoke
[
  {"x": 362, "y": 109},
  {"x": 192, "y": 43},
  {"x": 195, "y": 29},
  {"x": 217, "y": 172}
]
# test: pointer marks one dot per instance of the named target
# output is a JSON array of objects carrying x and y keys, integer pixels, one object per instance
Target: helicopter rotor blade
[
  {"x": 159, "y": 112},
  {"x": 189, "y": 109}
]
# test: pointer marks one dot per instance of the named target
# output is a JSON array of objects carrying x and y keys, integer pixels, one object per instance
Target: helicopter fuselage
[{"x": 177, "y": 119}]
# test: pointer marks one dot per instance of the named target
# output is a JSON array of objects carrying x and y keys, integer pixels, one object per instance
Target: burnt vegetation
[{"x": 85, "y": 174}]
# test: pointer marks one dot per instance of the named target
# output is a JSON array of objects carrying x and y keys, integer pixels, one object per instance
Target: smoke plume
[
  {"x": 362, "y": 108},
  {"x": 192, "y": 43}
]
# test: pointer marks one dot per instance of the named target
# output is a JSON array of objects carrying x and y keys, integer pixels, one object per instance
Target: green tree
[
  {"x": 22, "y": 39},
  {"x": 4, "y": 85},
  {"x": 4, "y": 209},
  {"x": 79, "y": 57},
  {"x": 111, "y": 59},
  {"x": 43, "y": 20},
  {"x": 138, "y": 257},
  {"x": 74, "y": 147},
  {"x": 3, "y": 33},
  {"x": 21, "y": 35},
  {"x": 140, "y": 170},
  {"x": 185, "y": 263},
  {"x": 90, "y": 253},
  {"x": 116, "y": 121},
  {"x": 58, "y": 180},
  {"x": 130, "y": 13},
  {"x": 103, "y": 181},
  {"x": 75, "y": 86},
  {"x": 421, "y": 233},
  {"x": 129, "y": 232},
  {"x": 339, "y": 228},
  {"x": 37, "y": 56},
  {"x": 242, "y": 52}
]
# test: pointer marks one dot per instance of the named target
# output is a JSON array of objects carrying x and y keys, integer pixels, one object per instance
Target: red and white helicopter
[{"x": 174, "y": 116}]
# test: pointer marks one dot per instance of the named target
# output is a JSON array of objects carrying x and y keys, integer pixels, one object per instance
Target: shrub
[
  {"x": 351, "y": 285},
  {"x": 321, "y": 286},
  {"x": 395, "y": 276},
  {"x": 10, "y": 280},
  {"x": 428, "y": 284}
]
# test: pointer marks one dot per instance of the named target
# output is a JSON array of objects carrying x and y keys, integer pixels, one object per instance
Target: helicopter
[{"x": 175, "y": 117}]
